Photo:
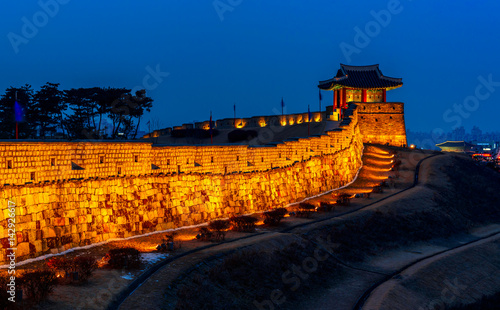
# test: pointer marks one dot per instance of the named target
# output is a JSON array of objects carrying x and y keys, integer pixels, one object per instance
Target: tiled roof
[
  {"x": 368, "y": 77},
  {"x": 455, "y": 144}
]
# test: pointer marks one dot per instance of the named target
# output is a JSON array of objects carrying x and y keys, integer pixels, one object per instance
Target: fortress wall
[
  {"x": 56, "y": 215},
  {"x": 34, "y": 162},
  {"x": 382, "y": 122}
]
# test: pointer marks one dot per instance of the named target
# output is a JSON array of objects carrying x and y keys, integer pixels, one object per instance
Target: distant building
[
  {"x": 486, "y": 147},
  {"x": 457, "y": 146}
]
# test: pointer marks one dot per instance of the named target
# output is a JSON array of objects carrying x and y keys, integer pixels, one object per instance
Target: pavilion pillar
[
  {"x": 343, "y": 99},
  {"x": 335, "y": 99},
  {"x": 384, "y": 99},
  {"x": 363, "y": 95}
]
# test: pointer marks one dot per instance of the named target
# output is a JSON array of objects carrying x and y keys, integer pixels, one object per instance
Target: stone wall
[
  {"x": 63, "y": 208},
  {"x": 382, "y": 122}
]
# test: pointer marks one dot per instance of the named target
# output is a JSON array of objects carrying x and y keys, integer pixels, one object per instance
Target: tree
[
  {"x": 80, "y": 124},
  {"x": 105, "y": 97},
  {"x": 26, "y": 126},
  {"x": 126, "y": 108},
  {"x": 49, "y": 106},
  {"x": 144, "y": 103}
]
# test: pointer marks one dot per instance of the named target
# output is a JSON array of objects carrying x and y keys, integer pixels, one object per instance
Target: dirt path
[{"x": 434, "y": 274}]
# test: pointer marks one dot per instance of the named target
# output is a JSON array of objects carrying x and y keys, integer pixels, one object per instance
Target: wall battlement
[{"x": 34, "y": 162}]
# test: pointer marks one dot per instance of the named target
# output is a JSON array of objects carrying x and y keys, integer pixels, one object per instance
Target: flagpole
[
  {"x": 282, "y": 107},
  {"x": 17, "y": 125},
  {"x": 319, "y": 100}
]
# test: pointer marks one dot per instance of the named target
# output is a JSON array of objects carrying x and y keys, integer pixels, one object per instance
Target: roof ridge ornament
[{"x": 360, "y": 77}]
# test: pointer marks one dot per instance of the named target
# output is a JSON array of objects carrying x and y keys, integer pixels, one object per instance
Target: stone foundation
[{"x": 382, "y": 122}]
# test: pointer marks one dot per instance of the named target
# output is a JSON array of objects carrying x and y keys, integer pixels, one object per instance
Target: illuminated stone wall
[
  {"x": 382, "y": 122},
  {"x": 63, "y": 208}
]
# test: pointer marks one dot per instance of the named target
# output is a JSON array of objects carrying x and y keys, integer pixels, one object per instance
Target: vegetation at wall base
[{"x": 124, "y": 258}]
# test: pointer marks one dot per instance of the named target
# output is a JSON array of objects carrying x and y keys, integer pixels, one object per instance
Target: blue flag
[
  {"x": 309, "y": 113},
  {"x": 320, "y": 98},
  {"x": 282, "y": 103},
  {"x": 18, "y": 112}
]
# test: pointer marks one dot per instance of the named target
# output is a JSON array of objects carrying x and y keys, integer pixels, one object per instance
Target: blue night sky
[{"x": 212, "y": 54}]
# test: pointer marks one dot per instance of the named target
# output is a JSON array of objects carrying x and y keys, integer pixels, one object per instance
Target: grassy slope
[{"x": 458, "y": 196}]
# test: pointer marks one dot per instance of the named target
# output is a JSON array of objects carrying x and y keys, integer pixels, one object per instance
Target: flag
[
  {"x": 18, "y": 112},
  {"x": 320, "y": 98},
  {"x": 309, "y": 113},
  {"x": 282, "y": 103}
]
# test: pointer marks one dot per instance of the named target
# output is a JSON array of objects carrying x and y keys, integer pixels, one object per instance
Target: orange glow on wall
[{"x": 190, "y": 184}]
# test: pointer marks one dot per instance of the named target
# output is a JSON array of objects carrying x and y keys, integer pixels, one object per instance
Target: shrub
[
  {"x": 241, "y": 135},
  {"x": 204, "y": 234},
  {"x": 126, "y": 258},
  {"x": 307, "y": 206},
  {"x": 325, "y": 207},
  {"x": 85, "y": 266},
  {"x": 219, "y": 227},
  {"x": 61, "y": 264},
  {"x": 344, "y": 199},
  {"x": 38, "y": 284},
  {"x": 171, "y": 236},
  {"x": 243, "y": 223},
  {"x": 274, "y": 217}
]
